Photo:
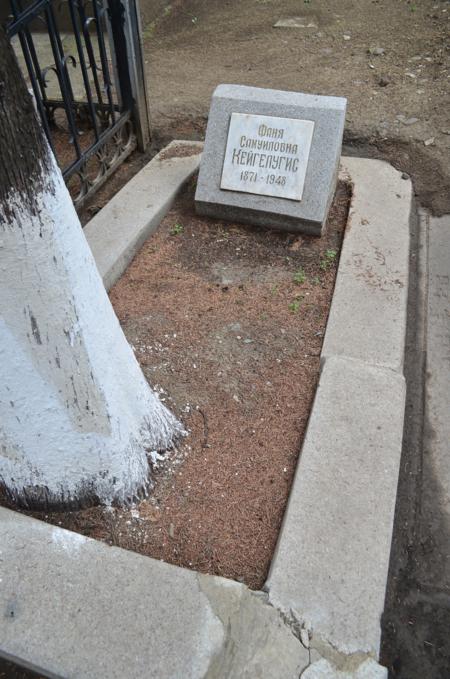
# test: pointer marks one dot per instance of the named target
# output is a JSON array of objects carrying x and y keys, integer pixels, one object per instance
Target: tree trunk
[{"x": 76, "y": 413}]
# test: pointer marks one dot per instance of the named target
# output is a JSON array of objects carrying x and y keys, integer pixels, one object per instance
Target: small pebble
[{"x": 407, "y": 121}]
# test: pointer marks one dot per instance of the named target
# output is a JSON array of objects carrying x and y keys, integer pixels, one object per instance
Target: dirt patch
[
  {"x": 390, "y": 59},
  {"x": 180, "y": 151},
  {"x": 227, "y": 323}
]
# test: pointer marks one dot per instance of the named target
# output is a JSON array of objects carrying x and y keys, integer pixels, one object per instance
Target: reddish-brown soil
[{"x": 227, "y": 323}]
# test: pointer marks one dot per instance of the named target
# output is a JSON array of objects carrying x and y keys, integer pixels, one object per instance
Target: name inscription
[{"x": 267, "y": 155}]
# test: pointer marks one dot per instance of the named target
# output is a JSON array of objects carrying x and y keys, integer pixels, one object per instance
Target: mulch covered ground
[{"x": 227, "y": 323}]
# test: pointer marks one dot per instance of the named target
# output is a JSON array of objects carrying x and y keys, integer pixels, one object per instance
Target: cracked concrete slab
[
  {"x": 74, "y": 607},
  {"x": 259, "y": 643}
]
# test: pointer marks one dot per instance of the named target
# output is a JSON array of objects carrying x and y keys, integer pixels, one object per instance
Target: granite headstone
[{"x": 271, "y": 158}]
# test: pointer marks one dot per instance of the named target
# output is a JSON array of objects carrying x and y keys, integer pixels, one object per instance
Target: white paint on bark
[{"x": 76, "y": 413}]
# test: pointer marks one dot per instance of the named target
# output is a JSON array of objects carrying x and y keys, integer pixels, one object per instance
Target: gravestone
[{"x": 271, "y": 158}]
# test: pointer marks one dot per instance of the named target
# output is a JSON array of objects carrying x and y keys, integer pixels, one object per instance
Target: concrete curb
[
  {"x": 331, "y": 564},
  {"x": 119, "y": 230},
  {"x": 368, "y": 313},
  {"x": 75, "y": 607},
  {"x": 330, "y": 568}
]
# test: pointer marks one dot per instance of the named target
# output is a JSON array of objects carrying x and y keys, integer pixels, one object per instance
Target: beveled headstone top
[{"x": 271, "y": 157}]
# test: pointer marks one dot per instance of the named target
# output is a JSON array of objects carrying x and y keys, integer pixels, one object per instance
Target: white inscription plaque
[{"x": 267, "y": 155}]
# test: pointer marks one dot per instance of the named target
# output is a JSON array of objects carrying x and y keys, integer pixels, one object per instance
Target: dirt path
[{"x": 398, "y": 100}]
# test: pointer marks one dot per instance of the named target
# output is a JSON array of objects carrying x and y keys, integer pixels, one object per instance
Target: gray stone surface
[
  {"x": 368, "y": 313},
  {"x": 309, "y": 21},
  {"x": 367, "y": 669},
  {"x": 330, "y": 567},
  {"x": 118, "y": 231},
  {"x": 74, "y": 607},
  {"x": 307, "y": 215},
  {"x": 437, "y": 385}
]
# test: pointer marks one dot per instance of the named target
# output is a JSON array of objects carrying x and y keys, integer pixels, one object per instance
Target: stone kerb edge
[
  {"x": 117, "y": 232},
  {"x": 375, "y": 249},
  {"x": 367, "y": 320}
]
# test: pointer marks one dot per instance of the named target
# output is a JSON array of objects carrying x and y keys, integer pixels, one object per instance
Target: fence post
[{"x": 127, "y": 36}]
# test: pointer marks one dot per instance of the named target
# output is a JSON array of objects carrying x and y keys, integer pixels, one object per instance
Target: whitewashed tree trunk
[{"x": 76, "y": 413}]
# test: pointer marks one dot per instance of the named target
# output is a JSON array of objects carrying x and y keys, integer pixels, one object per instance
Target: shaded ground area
[
  {"x": 10, "y": 670},
  {"x": 227, "y": 323},
  {"x": 417, "y": 617}
]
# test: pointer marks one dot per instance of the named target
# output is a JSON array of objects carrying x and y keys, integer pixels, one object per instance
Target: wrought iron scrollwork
[{"x": 87, "y": 125}]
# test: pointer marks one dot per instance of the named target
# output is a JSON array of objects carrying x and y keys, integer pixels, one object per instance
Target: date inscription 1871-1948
[{"x": 267, "y": 155}]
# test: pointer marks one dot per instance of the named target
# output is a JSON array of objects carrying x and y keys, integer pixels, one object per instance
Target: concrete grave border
[
  {"x": 119, "y": 230},
  {"x": 74, "y": 607}
]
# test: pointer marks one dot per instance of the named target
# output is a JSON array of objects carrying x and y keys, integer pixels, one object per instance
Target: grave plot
[{"x": 227, "y": 323}]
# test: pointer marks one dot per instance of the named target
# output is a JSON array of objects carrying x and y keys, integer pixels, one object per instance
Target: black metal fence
[{"x": 83, "y": 62}]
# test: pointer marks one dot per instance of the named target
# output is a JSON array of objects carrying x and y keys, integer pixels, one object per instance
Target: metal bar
[
  {"x": 16, "y": 6},
  {"x": 61, "y": 53},
  {"x": 59, "y": 103},
  {"x": 104, "y": 136},
  {"x": 104, "y": 59},
  {"x": 34, "y": 84},
  {"x": 87, "y": 85},
  {"x": 88, "y": 43},
  {"x": 125, "y": 29},
  {"x": 137, "y": 74},
  {"x": 66, "y": 91},
  {"x": 25, "y": 17},
  {"x": 117, "y": 19},
  {"x": 35, "y": 60}
]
